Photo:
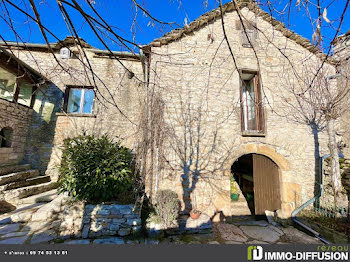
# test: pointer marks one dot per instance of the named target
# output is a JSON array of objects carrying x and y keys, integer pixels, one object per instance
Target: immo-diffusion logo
[
  {"x": 255, "y": 253},
  {"x": 326, "y": 254}
]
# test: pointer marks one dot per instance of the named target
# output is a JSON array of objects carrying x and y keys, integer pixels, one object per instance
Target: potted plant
[
  {"x": 234, "y": 190},
  {"x": 195, "y": 213}
]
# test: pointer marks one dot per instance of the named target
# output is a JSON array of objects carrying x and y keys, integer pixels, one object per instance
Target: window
[
  {"x": 249, "y": 33},
  {"x": 251, "y": 104},
  {"x": 16, "y": 89},
  {"x": 7, "y": 84},
  {"x": 6, "y": 137},
  {"x": 79, "y": 100},
  {"x": 25, "y": 93}
]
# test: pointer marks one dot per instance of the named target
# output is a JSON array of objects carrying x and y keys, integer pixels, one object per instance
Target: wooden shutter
[
  {"x": 240, "y": 72},
  {"x": 259, "y": 110},
  {"x": 248, "y": 31},
  {"x": 266, "y": 185},
  {"x": 65, "y": 99}
]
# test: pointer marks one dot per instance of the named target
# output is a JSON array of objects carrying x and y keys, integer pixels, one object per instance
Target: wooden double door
[{"x": 266, "y": 185}]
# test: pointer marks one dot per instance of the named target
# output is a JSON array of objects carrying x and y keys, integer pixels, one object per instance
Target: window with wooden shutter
[
  {"x": 248, "y": 31},
  {"x": 252, "y": 113}
]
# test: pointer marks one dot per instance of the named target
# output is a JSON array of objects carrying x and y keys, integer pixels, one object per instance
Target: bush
[
  {"x": 167, "y": 207},
  {"x": 97, "y": 170}
]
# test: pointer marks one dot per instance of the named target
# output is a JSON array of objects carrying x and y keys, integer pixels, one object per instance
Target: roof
[
  {"x": 230, "y": 6},
  {"x": 342, "y": 37},
  {"x": 68, "y": 42},
  {"x": 12, "y": 63}
]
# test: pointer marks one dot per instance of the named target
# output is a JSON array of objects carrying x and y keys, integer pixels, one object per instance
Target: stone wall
[
  {"x": 18, "y": 118},
  {"x": 115, "y": 112},
  {"x": 199, "y": 84},
  {"x": 65, "y": 218},
  {"x": 341, "y": 53}
]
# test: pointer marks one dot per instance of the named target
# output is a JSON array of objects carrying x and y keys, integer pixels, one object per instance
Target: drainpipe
[{"x": 303, "y": 206}]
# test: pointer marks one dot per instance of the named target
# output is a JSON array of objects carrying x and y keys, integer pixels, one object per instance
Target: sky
[{"x": 120, "y": 15}]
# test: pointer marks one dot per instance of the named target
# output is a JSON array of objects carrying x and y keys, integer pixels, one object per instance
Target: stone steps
[
  {"x": 20, "y": 181},
  {"x": 240, "y": 208},
  {"x": 27, "y": 182},
  {"x": 15, "y": 177},
  {"x": 13, "y": 169},
  {"x": 15, "y": 194},
  {"x": 44, "y": 197}
]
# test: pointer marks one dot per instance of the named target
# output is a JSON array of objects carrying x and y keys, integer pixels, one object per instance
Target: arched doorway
[{"x": 258, "y": 179}]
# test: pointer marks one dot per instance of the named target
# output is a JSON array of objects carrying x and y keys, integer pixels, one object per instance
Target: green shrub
[
  {"x": 167, "y": 208},
  {"x": 97, "y": 170}
]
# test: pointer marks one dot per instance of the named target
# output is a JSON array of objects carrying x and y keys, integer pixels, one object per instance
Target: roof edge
[
  {"x": 37, "y": 75},
  {"x": 201, "y": 21}
]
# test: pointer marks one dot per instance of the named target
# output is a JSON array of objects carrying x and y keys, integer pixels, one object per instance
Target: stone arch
[
  {"x": 286, "y": 189},
  {"x": 261, "y": 149}
]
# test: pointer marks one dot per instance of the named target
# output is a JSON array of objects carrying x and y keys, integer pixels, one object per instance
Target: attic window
[
  {"x": 65, "y": 53},
  {"x": 249, "y": 33}
]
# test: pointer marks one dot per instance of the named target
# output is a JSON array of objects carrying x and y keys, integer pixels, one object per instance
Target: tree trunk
[{"x": 335, "y": 167}]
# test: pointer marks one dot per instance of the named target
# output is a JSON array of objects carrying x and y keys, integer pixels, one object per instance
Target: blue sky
[{"x": 119, "y": 14}]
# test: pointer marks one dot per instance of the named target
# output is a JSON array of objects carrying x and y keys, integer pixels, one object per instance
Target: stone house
[{"x": 225, "y": 112}]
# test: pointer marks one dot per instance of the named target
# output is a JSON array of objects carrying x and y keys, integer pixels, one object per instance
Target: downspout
[{"x": 312, "y": 200}]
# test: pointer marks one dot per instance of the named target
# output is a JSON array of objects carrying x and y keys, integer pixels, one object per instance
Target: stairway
[
  {"x": 20, "y": 181},
  {"x": 240, "y": 207}
]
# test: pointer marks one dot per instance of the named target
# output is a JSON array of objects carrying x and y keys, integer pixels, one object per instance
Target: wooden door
[{"x": 266, "y": 185}]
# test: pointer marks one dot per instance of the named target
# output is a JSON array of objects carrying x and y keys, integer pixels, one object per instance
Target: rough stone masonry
[{"x": 192, "y": 72}]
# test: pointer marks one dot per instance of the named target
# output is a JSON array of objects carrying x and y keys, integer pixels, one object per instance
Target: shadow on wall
[
  {"x": 39, "y": 144},
  {"x": 200, "y": 155},
  {"x": 315, "y": 131}
]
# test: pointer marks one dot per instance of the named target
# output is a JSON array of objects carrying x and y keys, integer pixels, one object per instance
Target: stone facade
[
  {"x": 116, "y": 106},
  {"x": 17, "y": 117},
  {"x": 341, "y": 53},
  {"x": 199, "y": 83}
]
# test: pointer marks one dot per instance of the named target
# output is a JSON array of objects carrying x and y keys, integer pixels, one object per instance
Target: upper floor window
[
  {"x": 79, "y": 100},
  {"x": 7, "y": 84},
  {"x": 252, "y": 113},
  {"x": 16, "y": 89}
]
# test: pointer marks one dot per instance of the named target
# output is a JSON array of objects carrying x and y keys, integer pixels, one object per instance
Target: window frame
[
  {"x": 66, "y": 99},
  {"x": 260, "y": 120},
  {"x": 17, "y": 87},
  {"x": 249, "y": 33}
]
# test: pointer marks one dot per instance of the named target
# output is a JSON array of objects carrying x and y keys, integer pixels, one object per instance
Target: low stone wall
[
  {"x": 17, "y": 117},
  {"x": 110, "y": 219},
  {"x": 65, "y": 219}
]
